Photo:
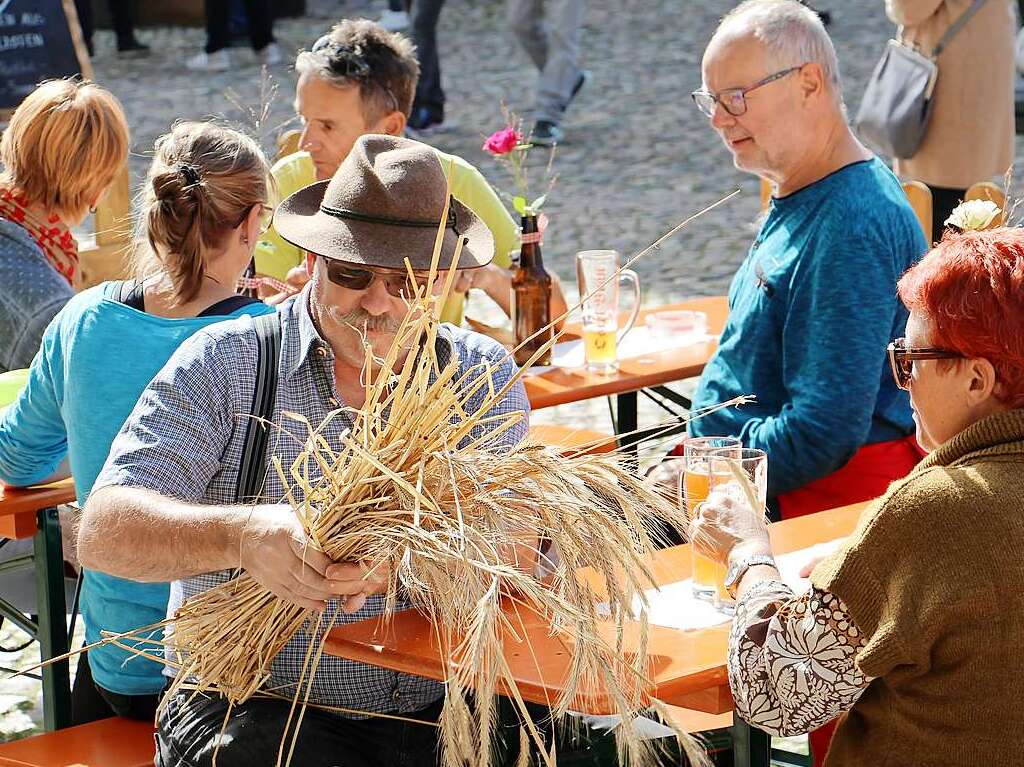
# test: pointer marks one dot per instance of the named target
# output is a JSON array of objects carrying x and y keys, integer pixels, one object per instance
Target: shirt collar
[{"x": 298, "y": 318}]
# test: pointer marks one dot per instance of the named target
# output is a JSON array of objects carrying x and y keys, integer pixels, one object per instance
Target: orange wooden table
[
  {"x": 687, "y": 668},
  {"x": 560, "y": 386},
  {"x": 32, "y": 513}
]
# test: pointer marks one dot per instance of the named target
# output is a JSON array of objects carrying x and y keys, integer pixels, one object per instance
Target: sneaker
[
  {"x": 133, "y": 49},
  {"x": 217, "y": 61},
  {"x": 270, "y": 56},
  {"x": 546, "y": 133},
  {"x": 394, "y": 21},
  {"x": 424, "y": 122}
]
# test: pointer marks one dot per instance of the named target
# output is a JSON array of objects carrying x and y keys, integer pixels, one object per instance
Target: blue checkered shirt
[{"x": 185, "y": 440}]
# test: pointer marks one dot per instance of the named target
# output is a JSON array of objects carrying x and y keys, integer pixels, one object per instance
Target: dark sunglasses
[
  {"x": 397, "y": 284},
  {"x": 901, "y": 359}
]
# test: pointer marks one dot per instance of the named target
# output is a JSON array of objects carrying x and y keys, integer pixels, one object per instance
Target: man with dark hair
[{"x": 357, "y": 79}]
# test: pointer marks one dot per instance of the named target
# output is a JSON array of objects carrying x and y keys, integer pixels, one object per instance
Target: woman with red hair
[{"x": 913, "y": 627}]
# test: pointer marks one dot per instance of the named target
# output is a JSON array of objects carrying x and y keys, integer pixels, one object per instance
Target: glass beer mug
[{"x": 598, "y": 273}]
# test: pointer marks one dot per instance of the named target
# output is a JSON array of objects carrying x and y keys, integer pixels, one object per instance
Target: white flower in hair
[{"x": 973, "y": 215}]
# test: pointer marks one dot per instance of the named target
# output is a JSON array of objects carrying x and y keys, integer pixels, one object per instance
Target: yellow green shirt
[{"x": 275, "y": 256}]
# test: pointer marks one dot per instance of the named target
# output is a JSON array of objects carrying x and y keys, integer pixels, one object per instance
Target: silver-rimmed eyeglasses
[{"x": 734, "y": 100}]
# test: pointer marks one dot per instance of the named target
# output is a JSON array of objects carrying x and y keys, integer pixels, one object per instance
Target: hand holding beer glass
[
  {"x": 739, "y": 477},
  {"x": 596, "y": 272},
  {"x": 694, "y": 486}
]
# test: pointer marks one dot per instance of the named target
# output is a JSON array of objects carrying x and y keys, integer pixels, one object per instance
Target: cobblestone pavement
[{"x": 637, "y": 159}]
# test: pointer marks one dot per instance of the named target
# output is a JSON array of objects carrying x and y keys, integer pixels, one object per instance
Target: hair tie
[{"x": 190, "y": 173}]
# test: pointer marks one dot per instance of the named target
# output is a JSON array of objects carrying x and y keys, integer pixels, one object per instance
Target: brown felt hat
[{"x": 383, "y": 206}]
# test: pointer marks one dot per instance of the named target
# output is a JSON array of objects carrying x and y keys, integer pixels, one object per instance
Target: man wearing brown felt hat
[
  {"x": 171, "y": 484},
  {"x": 381, "y": 208}
]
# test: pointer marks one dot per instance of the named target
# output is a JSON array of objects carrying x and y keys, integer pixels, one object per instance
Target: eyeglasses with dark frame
[
  {"x": 398, "y": 284},
  {"x": 266, "y": 218},
  {"x": 901, "y": 359},
  {"x": 734, "y": 100},
  {"x": 350, "y": 64}
]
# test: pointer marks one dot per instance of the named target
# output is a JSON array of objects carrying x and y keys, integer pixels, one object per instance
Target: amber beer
[
  {"x": 531, "y": 297},
  {"x": 708, "y": 575}
]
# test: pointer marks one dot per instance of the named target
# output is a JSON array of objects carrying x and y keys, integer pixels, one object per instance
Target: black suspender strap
[{"x": 253, "y": 469}]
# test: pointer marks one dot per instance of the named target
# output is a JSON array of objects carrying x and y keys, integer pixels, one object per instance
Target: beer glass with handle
[{"x": 596, "y": 272}]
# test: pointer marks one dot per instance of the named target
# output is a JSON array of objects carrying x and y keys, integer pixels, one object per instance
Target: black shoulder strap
[
  {"x": 131, "y": 293},
  {"x": 253, "y": 468},
  {"x": 228, "y": 306}
]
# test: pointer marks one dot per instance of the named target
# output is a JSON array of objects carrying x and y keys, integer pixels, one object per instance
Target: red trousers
[{"x": 865, "y": 476}]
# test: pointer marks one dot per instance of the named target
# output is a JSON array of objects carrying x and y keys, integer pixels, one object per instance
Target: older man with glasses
[{"x": 814, "y": 302}]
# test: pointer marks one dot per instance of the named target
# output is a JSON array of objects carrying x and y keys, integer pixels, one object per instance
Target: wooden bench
[
  {"x": 570, "y": 439},
  {"x": 114, "y": 742}
]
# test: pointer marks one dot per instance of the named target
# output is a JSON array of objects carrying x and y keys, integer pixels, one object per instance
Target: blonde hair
[
  {"x": 202, "y": 183},
  {"x": 64, "y": 146}
]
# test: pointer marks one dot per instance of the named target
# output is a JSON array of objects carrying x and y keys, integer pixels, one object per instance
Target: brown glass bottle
[{"x": 531, "y": 296}]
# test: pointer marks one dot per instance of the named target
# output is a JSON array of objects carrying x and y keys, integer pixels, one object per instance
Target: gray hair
[
  {"x": 792, "y": 34},
  {"x": 361, "y": 53}
]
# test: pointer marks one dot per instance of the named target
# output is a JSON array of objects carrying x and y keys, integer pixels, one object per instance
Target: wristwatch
[{"x": 734, "y": 574}]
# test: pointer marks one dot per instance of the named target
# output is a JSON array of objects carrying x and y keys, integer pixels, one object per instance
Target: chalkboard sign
[{"x": 39, "y": 40}]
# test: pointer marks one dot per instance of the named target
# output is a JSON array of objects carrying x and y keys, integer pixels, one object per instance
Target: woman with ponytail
[{"x": 203, "y": 208}]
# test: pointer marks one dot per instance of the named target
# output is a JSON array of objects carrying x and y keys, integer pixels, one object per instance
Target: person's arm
[
  {"x": 144, "y": 519},
  {"x": 135, "y": 533},
  {"x": 841, "y": 310},
  {"x": 792, "y": 659},
  {"x": 33, "y": 438},
  {"x": 910, "y": 13}
]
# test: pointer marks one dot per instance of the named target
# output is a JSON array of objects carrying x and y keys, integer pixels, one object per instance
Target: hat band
[{"x": 354, "y": 215}]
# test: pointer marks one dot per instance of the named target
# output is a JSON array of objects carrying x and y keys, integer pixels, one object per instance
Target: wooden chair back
[
  {"x": 106, "y": 258},
  {"x": 987, "y": 190},
  {"x": 920, "y": 198}
]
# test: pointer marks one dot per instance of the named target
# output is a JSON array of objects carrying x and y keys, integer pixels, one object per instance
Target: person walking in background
[
  {"x": 215, "y": 58},
  {"x": 971, "y": 131},
  {"x": 121, "y": 14},
  {"x": 428, "y": 107},
  {"x": 553, "y": 44},
  {"x": 64, "y": 146}
]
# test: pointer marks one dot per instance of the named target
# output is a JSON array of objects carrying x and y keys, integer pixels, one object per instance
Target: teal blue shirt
[
  {"x": 96, "y": 358},
  {"x": 811, "y": 311}
]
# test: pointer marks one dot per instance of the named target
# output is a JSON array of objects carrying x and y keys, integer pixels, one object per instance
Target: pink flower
[{"x": 503, "y": 142}]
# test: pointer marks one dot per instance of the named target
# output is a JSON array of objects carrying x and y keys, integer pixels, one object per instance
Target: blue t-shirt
[
  {"x": 96, "y": 358},
  {"x": 811, "y": 310}
]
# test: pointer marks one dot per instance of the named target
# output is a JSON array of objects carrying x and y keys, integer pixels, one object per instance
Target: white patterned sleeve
[{"x": 792, "y": 658}]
